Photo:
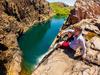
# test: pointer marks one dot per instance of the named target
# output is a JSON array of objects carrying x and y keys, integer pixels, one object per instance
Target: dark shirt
[{"x": 70, "y": 39}]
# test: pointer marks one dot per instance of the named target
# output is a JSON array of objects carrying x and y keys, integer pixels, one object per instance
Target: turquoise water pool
[{"x": 37, "y": 40}]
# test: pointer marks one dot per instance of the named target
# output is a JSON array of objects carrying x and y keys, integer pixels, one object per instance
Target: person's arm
[
  {"x": 82, "y": 43},
  {"x": 62, "y": 33},
  {"x": 65, "y": 31}
]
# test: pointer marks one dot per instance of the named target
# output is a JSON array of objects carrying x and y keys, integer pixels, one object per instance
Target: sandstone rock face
[
  {"x": 22, "y": 9},
  {"x": 16, "y": 16},
  {"x": 84, "y": 9},
  {"x": 59, "y": 63}
]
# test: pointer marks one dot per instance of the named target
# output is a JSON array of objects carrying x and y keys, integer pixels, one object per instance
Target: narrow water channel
[{"x": 36, "y": 42}]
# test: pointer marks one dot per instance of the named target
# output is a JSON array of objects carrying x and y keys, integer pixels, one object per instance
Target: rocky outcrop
[
  {"x": 84, "y": 9},
  {"x": 59, "y": 63},
  {"x": 16, "y": 16},
  {"x": 23, "y": 9}
]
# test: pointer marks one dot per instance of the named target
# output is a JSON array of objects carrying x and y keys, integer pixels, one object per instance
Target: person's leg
[{"x": 69, "y": 51}]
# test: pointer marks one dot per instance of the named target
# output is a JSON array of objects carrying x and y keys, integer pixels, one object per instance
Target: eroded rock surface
[
  {"x": 16, "y": 16},
  {"x": 59, "y": 63}
]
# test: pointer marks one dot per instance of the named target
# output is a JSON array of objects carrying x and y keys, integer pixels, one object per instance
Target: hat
[{"x": 70, "y": 30}]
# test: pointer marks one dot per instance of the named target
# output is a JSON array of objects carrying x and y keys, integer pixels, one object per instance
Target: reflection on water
[{"x": 36, "y": 41}]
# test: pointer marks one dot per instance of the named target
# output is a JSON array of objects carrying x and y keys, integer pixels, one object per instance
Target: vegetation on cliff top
[{"x": 60, "y": 8}]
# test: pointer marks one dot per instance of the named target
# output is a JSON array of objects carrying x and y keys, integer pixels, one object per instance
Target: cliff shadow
[
  {"x": 3, "y": 47},
  {"x": 70, "y": 53},
  {"x": 3, "y": 70}
]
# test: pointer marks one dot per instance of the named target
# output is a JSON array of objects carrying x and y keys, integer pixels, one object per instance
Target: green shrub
[{"x": 60, "y": 10}]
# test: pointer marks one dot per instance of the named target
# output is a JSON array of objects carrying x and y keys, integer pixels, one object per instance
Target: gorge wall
[
  {"x": 16, "y": 16},
  {"x": 84, "y": 9}
]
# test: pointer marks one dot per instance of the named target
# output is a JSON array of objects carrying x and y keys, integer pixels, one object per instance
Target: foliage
[{"x": 59, "y": 9}]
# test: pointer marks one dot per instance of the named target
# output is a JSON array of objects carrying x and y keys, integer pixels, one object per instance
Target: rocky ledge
[{"x": 16, "y": 16}]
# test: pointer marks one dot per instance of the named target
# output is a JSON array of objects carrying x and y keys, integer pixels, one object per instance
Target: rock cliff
[
  {"x": 16, "y": 16},
  {"x": 86, "y": 14},
  {"x": 84, "y": 9}
]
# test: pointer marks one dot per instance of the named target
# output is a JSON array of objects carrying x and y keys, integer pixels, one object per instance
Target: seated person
[
  {"x": 64, "y": 44},
  {"x": 77, "y": 42}
]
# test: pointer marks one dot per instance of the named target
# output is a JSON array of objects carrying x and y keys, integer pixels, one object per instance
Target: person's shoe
[{"x": 78, "y": 57}]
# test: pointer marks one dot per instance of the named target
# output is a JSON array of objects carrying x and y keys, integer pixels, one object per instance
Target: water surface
[{"x": 37, "y": 40}]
